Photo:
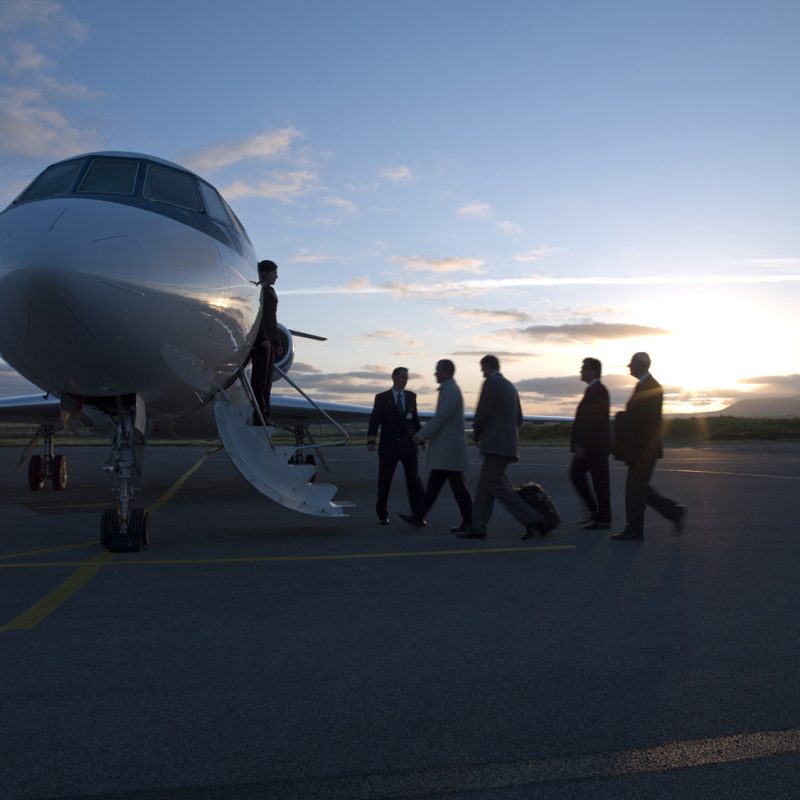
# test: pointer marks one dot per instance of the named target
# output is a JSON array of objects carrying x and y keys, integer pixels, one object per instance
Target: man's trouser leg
[
  {"x": 577, "y": 474},
  {"x": 636, "y": 481},
  {"x": 386, "y": 467}
]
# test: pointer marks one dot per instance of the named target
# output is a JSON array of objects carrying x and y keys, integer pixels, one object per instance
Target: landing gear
[
  {"x": 125, "y": 529},
  {"x": 47, "y": 466},
  {"x": 36, "y": 473},
  {"x": 130, "y": 538},
  {"x": 60, "y": 473}
]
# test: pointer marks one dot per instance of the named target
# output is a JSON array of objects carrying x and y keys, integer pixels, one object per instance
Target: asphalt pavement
[{"x": 253, "y": 652}]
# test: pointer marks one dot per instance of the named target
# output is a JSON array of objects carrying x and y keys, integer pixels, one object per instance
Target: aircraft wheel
[
  {"x": 36, "y": 473},
  {"x": 139, "y": 527},
  {"x": 109, "y": 527},
  {"x": 60, "y": 473}
]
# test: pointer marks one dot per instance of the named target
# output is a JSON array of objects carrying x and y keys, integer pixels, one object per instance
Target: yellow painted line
[
  {"x": 46, "y": 550},
  {"x": 48, "y": 604},
  {"x": 128, "y": 560},
  {"x": 172, "y": 491}
]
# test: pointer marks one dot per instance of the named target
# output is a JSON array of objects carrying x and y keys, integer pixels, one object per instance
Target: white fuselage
[{"x": 102, "y": 299}]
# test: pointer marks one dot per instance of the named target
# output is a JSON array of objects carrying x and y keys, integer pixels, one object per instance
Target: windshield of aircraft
[
  {"x": 54, "y": 180},
  {"x": 138, "y": 182},
  {"x": 110, "y": 176},
  {"x": 171, "y": 186}
]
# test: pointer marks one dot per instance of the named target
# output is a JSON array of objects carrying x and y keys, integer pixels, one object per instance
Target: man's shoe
[
  {"x": 462, "y": 528},
  {"x": 584, "y": 521},
  {"x": 534, "y": 528},
  {"x": 471, "y": 534},
  {"x": 383, "y": 520},
  {"x": 679, "y": 521},
  {"x": 594, "y": 525},
  {"x": 626, "y": 534},
  {"x": 415, "y": 522}
]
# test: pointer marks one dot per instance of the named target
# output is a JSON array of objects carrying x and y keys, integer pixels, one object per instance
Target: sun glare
[{"x": 713, "y": 345}]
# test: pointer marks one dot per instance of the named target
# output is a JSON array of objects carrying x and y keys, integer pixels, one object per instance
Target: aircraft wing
[{"x": 30, "y": 409}]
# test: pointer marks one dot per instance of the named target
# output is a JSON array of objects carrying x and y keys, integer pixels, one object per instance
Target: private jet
[{"x": 128, "y": 294}]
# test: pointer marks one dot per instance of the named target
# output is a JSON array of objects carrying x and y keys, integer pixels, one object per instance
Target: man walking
[
  {"x": 395, "y": 413},
  {"x": 447, "y": 449},
  {"x": 495, "y": 430},
  {"x": 590, "y": 445},
  {"x": 644, "y": 448}
]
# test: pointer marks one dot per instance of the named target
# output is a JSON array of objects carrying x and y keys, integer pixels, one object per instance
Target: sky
[{"x": 544, "y": 181}]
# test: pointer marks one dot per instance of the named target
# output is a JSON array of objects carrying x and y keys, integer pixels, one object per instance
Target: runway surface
[{"x": 256, "y": 653}]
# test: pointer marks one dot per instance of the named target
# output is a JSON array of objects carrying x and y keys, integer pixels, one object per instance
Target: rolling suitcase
[{"x": 538, "y": 499}]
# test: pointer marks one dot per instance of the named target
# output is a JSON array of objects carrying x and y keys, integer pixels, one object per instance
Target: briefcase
[{"x": 538, "y": 499}]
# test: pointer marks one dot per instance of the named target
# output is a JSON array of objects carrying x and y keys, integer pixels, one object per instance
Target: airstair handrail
[
  {"x": 322, "y": 411},
  {"x": 254, "y": 403}
]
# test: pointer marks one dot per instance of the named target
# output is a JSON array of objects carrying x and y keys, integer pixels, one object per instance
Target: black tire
[
  {"x": 60, "y": 473},
  {"x": 109, "y": 527},
  {"x": 36, "y": 473},
  {"x": 138, "y": 533}
]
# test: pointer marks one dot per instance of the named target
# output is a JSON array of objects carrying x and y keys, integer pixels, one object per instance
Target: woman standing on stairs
[{"x": 267, "y": 346}]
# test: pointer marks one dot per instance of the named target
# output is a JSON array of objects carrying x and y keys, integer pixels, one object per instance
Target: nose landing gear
[
  {"x": 47, "y": 466},
  {"x": 124, "y": 529}
]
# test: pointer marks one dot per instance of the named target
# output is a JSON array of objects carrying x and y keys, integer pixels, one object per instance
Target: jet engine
[{"x": 284, "y": 363}]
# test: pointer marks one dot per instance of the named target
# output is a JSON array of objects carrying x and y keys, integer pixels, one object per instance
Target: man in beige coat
[
  {"x": 447, "y": 449},
  {"x": 495, "y": 430}
]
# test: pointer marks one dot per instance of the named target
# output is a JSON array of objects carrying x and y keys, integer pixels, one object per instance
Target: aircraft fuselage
[{"x": 105, "y": 294}]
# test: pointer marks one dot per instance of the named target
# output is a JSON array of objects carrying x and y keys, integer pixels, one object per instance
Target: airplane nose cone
[{"x": 61, "y": 287}]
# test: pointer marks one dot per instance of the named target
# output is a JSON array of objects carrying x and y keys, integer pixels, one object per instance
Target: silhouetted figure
[
  {"x": 495, "y": 429},
  {"x": 267, "y": 345},
  {"x": 590, "y": 445},
  {"x": 395, "y": 414},
  {"x": 446, "y": 457},
  {"x": 643, "y": 449}
]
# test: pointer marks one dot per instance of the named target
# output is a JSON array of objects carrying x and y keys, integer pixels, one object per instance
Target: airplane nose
[{"x": 60, "y": 295}]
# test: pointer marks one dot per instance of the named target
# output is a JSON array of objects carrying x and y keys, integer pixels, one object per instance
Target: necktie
[{"x": 400, "y": 403}]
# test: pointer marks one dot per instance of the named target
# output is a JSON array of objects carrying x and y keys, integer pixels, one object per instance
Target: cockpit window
[
  {"x": 214, "y": 204},
  {"x": 54, "y": 180},
  {"x": 110, "y": 176},
  {"x": 172, "y": 186}
]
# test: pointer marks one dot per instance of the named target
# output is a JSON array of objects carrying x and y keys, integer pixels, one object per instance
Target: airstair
[{"x": 275, "y": 470}]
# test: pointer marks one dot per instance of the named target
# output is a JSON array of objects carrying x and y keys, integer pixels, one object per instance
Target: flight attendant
[{"x": 267, "y": 346}]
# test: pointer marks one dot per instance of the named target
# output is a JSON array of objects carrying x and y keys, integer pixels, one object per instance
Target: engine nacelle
[{"x": 284, "y": 363}]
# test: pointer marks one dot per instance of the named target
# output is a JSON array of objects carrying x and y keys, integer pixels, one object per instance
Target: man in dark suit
[
  {"x": 643, "y": 424},
  {"x": 395, "y": 413},
  {"x": 495, "y": 429},
  {"x": 590, "y": 445}
]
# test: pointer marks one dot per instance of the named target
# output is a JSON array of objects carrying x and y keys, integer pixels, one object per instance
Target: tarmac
[{"x": 253, "y": 652}]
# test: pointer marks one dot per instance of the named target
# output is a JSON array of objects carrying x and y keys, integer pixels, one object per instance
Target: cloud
[
  {"x": 32, "y": 127},
  {"x": 474, "y": 210},
  {"x": 506, "y": 354},
  {"x": 480, "y": 286},
  {"x": 392, "y": 335},
  {"x": 399, "y": 172},
  {"x": 264, "y": 146},
  {"x": 531, "y": 256},
  {"x": 347, "y": 206},
  {"x": 33, "y": 123},
  {"x": 41, "y": 16},
  {"x": 587, "y": 331},
  {"x": 487, "y": 314},
  {"x": 422, "y": 264},
  {"x": 285, "y": 187},
  {"x": 510, "y": 228},
  {"x": 780, "y": 384},
  {"x": 308, "y": 257}
]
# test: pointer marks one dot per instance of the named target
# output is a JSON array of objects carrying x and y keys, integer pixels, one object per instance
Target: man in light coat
[
  {"x": 447, "y": 449},
  {"x": 495, "y": 429}
]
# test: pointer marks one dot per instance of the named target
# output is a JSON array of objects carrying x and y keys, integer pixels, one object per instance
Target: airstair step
[{"x": 266, "y": 466}]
